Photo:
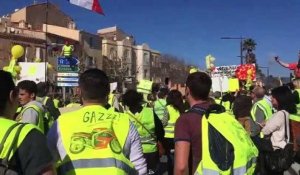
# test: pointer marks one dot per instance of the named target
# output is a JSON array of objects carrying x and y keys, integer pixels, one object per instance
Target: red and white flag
[{"x": 93, "y": 5}]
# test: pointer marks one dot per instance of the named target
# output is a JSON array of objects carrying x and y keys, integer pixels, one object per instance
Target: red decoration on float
[{"x": 243, "y": 72}]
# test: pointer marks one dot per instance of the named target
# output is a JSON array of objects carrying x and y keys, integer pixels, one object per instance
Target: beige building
[
  {"x": 28, "y": 29},
  {"x": 124, "y": 59}
]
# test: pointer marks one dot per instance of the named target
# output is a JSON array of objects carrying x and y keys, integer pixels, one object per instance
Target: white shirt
[{"x": 276, "y": 126}]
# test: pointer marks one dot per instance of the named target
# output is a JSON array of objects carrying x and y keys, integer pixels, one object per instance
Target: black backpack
[{"x": 221, "y": 150}]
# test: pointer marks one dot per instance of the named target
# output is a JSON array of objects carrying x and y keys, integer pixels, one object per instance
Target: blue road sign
[
  {"x": 65, "y": 64},
  {"x": 67, "y": 61}
]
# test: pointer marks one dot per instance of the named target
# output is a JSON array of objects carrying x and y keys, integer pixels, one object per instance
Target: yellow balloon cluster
[{"x": 17, "y": 51}]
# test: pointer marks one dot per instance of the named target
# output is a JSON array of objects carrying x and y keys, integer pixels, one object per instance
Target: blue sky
[{"x": 191, "y": 29}]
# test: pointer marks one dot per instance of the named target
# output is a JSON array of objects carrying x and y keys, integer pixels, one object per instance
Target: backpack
[
  {"x": 48, "y": 117},
  {"x": 221, "y": 150},
  {"x": 5, "y": 167}
]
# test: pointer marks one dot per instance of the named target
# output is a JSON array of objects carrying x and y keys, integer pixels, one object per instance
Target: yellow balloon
[
  {"x": 49, "y": 66},
  {"x": 5, "y": 68},
  {"x": 17, "y": 51},
  {"x": 17, "y": 69},
  {"x": 37, "y": 60}
]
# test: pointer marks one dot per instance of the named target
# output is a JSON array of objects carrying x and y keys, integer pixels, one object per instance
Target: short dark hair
[
  {"x": 29, "y": 86},
  {"x": 5, "y": 88},
  {"x": 94, "y": 85},
  {"x": 175, "y": 99},
  {"x": 199, "y": 84},
  {"x": 285, "y": 99},
  {"x": 42, "y": 89},
  {"x": 242, "y": 106},
  {"x": 163, "y": 92},
  {"x": 132, "y": 98}
]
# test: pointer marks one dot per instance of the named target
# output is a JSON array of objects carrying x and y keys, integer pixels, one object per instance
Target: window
[
  {"x": 146, "y": 59},
  {"x": 125, "y": 56},
  {"x": 112, "y": 54},
  {"x": 145, "y": 73},
  {"x": 91, "y": 42}
]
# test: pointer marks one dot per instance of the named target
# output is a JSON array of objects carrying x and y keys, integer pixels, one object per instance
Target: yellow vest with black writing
[
  {"x": 264, "y": 106},
  {"x": 174, "y": 115},
  {"x": 40, "y": 112},
  {"x": 5, "y": 124},
  {"x": 67, "y": 50},
  {"x": 245, "y": 152},
  {"x": 145, "y": 118},
  {"x": 94, "y": 138}
]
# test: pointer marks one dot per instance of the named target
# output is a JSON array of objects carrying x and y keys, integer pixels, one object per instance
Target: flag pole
[{"x": 46, "y": 43}]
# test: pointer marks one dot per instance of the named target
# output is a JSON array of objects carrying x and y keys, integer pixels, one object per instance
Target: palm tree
[{"x": 249, "y": 45}]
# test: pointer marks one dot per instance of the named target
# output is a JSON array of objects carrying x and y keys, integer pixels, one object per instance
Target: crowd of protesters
[{"x": 199, "y": 132}]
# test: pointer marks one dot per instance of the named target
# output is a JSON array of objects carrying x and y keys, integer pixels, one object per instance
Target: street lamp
[{"x": 241, "y": 45}]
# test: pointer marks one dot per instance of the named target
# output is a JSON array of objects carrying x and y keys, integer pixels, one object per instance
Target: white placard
[
  {"x": 33, "y": 71},
  {"x": 113, "y": 86},
  {"x": 220, "y": 84},
  {"x": 228, "y": 71}
]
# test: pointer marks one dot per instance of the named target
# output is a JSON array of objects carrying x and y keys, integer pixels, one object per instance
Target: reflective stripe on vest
[
  {"x": 45, "y": 99},
  {"x": 94, "y": 139},
  {"x": 174, "y": 115},
  {"x": 145, "y": 118},
  {"x": 5, "y": 124},
  {"x": 40, "y": 123},
  {"x": 67, "y": 50},
  {"x": 245, "y": 152},
  {"x": 95, "y": 163},
  {"x": 160, "y": 108}
]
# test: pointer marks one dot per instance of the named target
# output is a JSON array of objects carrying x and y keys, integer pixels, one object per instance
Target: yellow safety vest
[
  {"x": 245, "y": 152},
  {"x": 174, "y": 115},
  {"x": 226, "y": 105},
  {"x": 5, "y": 124},
  {"x": 67, "y": 50},
  {"x": 160, "y": 108},
  {"x": 94, "y": 138},
  {"x": 218, "y": 101},
  {"x": 264, "y": 106},
  {"x": 40, "y": 124},
  {"x": 73, "y": 105},
  {"x": 49, "y": 118},
  {"x": 56, "y": 102},
  {"x": 111, "y": 99},
  {"x": 144, "y": 122}
]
